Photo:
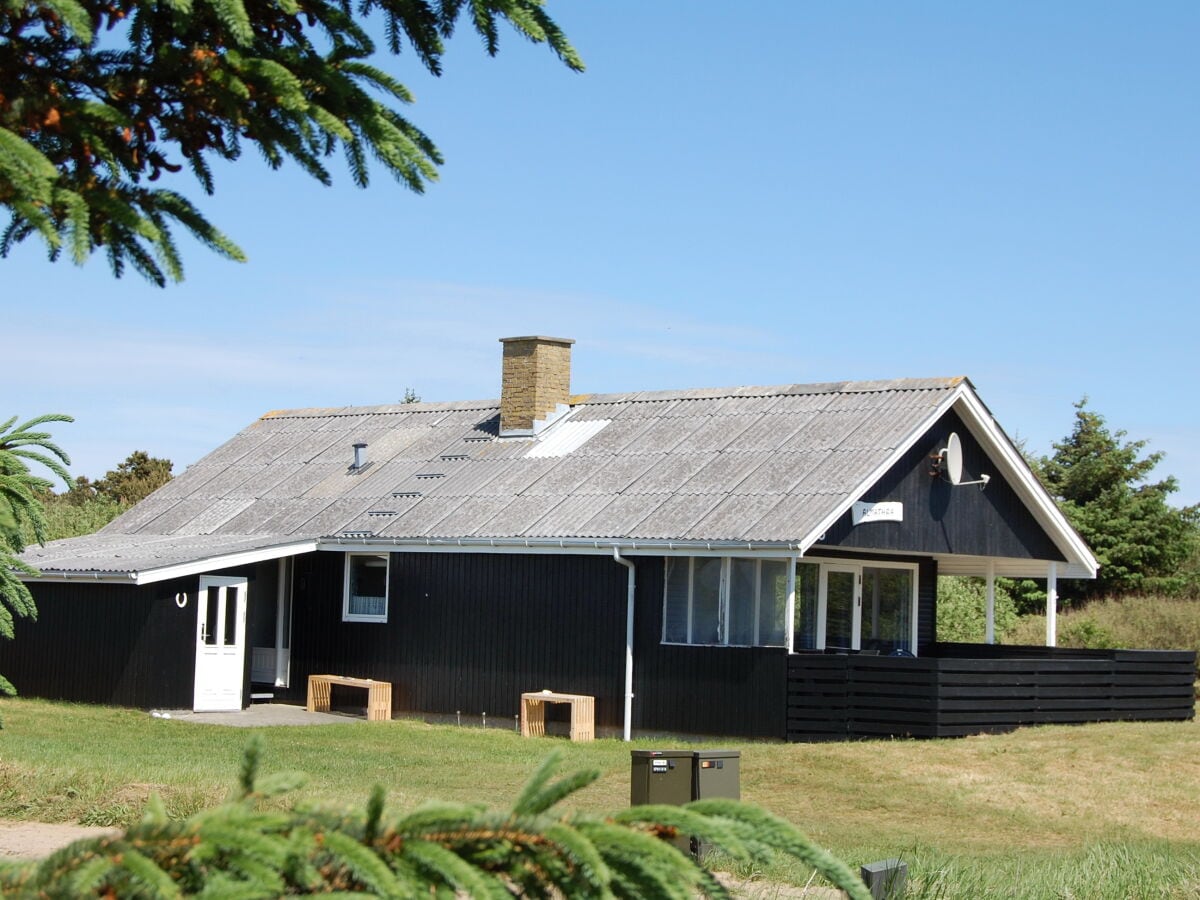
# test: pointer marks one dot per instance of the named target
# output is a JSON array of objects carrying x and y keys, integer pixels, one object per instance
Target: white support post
[
  {"x": 281, "y": 611},
  {"x": 1052, "y": 605},
  {"x": 790, "y": 614},
  {"x": 989, "y": 613}
]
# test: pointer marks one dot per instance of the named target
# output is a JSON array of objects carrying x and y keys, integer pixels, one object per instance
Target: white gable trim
[
  {"x": 987, "y": 431},
  {"x": 984, "y": 428}
]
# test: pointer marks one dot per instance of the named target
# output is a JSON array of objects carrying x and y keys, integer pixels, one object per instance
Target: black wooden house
[{"x": 749, "y": 561}]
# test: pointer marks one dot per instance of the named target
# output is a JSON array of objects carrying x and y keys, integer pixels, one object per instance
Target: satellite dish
[{"x": 952, "y": 459}]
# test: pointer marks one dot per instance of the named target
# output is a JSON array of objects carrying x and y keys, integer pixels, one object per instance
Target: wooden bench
[
  {"x": 533, "y": 714},
  {"x": 379, "y": 694}
]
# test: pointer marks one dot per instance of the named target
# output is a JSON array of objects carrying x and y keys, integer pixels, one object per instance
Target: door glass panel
[
  {"x": 212, "y": 603},
  {"x": 706, "y": 600},
  {"x": 887, "y": 609},
  {"x": 231, "y": 595},
  {"x": 805, "y": 624},
  {"x": 742, "y": 585},
  {"x": 839, "y": 611},
  {"x": 772, "y": 602}
]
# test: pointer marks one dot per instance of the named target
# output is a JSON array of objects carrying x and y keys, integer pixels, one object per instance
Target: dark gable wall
[
  {"x": 941, "y": 518},
  {"x": 469, "y": 632},
  {"x": 106, "y": 643}
]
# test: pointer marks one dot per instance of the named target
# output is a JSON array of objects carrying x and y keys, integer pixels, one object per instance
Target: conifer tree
[
  {"x": 245, "y": 849},
  {"x": 134, "y": 479},
  {"x": 103, "y": 101},
  {"x": 21, "y": 511},
  {"x": 1102, "y": 483}
]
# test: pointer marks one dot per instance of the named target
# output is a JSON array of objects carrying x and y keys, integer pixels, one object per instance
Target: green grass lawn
[{"x": 1106, "y": 810}]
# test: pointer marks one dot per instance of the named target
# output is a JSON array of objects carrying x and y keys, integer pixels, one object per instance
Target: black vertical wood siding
[
  {"x": 701, "y": 690},
  {"x": 941, "y": 518},
  {"x": 106, "y": 643},
  {"x": 470, "y": 632}
]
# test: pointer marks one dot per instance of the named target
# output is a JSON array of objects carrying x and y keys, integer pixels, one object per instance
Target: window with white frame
[
  {"x": 366, "y": 588},
  {"x": 838, "y": 604},
  {"x": 855, "y": 606},
  {"x": 729, "y": 601}
]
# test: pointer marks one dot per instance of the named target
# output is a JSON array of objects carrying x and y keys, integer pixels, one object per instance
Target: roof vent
[
  {"x": 360, "y": 456},
  {"x": 535, "y": 384}
]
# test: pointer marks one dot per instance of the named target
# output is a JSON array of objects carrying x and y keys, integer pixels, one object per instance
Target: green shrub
[{"x": 961, "y": 609}]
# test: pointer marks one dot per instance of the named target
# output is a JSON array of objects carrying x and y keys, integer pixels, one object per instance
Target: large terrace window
[
  {"x": 839, "y": 605},
  {"x": 726, "y": 601}
]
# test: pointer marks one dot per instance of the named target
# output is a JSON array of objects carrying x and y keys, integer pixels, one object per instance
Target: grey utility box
[
  {"x": 660, "y": 776},
  {"x": 716, "y": 773},
  {"x": 886, "y": 879}
]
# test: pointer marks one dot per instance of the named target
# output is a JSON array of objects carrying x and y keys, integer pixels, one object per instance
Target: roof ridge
[{"x": 703, "y": 393}]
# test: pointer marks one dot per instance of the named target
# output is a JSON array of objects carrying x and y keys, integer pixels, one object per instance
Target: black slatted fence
[{"x": 963, "y": 689}]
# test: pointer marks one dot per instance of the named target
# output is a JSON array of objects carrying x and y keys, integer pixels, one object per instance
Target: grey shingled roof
[{"x": 749, "y": 464}]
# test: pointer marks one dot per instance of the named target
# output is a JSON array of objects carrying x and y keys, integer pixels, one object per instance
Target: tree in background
[
  {"x": 90, "y": 126},
  {"x": 1100, "y": 481},
  {"x": 21, "y": 511},
  {"x": 136, "y": 478},
  {"x": 90, "y": 505}
]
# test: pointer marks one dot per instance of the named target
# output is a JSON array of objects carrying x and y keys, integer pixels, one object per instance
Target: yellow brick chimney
[{"x": 535, "y": 383}]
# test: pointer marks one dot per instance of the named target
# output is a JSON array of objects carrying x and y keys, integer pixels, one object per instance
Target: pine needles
[
  {"x": 195, "y": 80},
  {"x": 243, "y": 848}
]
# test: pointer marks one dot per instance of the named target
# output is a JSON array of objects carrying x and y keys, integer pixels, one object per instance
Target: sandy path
[{"x": 33, "y": 840}]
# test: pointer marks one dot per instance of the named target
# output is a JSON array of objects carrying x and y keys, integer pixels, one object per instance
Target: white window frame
[
  {"x": 828, "y": 564},
  {"x": 347, "y": 616},
  {"x": 825, "y": 564},
  {"x": 724, "y": 598}
]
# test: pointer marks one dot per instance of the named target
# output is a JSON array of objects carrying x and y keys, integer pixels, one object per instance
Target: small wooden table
[
  {"x": 379, "y": 694},
  {"x": 533, "y": 714}
]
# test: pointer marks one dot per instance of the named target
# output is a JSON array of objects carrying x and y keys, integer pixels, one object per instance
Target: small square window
[{"x": 366, "y": 590}]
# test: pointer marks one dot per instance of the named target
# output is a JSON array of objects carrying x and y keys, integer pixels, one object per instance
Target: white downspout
[
  {"x": 631, "y": 586},
  {"x": 1052, "y": 605}
]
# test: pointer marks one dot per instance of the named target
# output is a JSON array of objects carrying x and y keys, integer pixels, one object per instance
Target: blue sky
[{"x": 814, "y": 192}]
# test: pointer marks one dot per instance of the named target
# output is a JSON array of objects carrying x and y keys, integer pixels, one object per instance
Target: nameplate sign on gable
[{"x": 886, "y": 511}]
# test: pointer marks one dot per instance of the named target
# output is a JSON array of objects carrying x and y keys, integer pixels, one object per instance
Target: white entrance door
[{"x": 220, "y": 643}]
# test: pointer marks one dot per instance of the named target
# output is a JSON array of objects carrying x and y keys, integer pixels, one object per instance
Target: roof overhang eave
[
  {"x": 152, "y": 574},
  {"x": 574, "y": 546}
]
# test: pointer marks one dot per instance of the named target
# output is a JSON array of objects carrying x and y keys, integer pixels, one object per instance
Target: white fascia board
[
  {"x": 865, "y": 485},
  {"x": 76, "y": 576},
  {"x": 985, "y": 429},
  {"x": 178, "y": 570},
  {"x": 225, "y": 561}
]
